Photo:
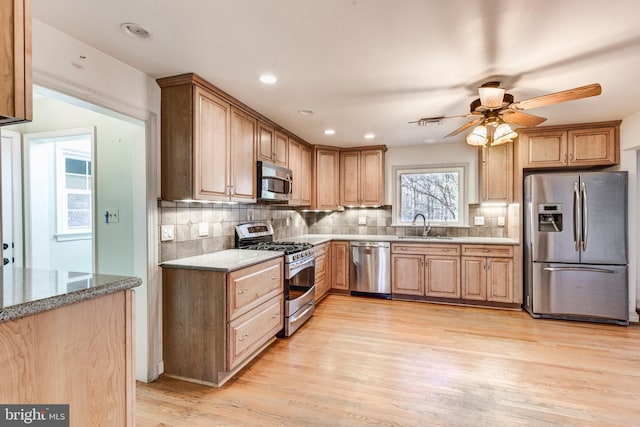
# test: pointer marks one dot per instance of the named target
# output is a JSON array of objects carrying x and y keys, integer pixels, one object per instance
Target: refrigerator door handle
[
  {"x": 585, "y": 216},
  {"x": 589, "y": 269},
  {"x": 576, "y": 217}
]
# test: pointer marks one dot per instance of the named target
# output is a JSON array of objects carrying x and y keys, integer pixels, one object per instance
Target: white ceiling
[{"x": 374, "y": 65}]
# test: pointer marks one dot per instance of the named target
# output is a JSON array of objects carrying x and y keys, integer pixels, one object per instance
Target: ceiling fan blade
[
  {"x": 466, "y": 126},
  {"x": 522, "y": 119},
  {"x": 554, "y": 98}
]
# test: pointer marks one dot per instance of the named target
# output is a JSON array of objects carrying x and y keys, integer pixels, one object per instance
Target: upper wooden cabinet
[
  {"x": 16, "y": 96},
  {"x": 207, "y": 145},
  {"x": 325, "y": 187},
  {"x": 273, "y": 146},
  {"x": 497, "y": 173},
  {"x": 362, "y": 176},
  {"x": 300, "y": 164},
  {"x": 575, "y": 146}
]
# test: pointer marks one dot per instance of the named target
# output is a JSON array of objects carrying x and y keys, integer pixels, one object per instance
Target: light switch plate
[
  {"x": 203, "y": 229},
  {"x": 167, "y": 232},
  {"x": 501, "y": 221},
  {"x": 478, "y": 220},
  {"x": 112, "y": 215},
  {"x": 362, "y": 220}
]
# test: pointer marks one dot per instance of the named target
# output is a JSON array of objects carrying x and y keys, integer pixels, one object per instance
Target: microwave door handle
[
  {"x": 576, "y": 217},
  {"x": 585, "y": 216}
]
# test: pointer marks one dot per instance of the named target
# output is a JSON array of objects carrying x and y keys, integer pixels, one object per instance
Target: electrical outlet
[
  {"x": 478, "y": 220},
  {"x": 288, "y": 221},
  {"x": 362, "y": 220},
  {"x": 167, "y": 232},
  {"x": 111, "y": 215},
  {"x": 250, "y": 215},
  {"x": 203, "y": 229},
  {"x": 500, "y": 221}
]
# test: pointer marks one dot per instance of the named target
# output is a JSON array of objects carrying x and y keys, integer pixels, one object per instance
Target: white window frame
[
  {"x": 62, "y": 154},
  {"x": 459, "y": 168}
]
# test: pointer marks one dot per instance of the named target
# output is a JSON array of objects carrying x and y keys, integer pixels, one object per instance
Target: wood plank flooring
[{"x": 362, "y": 361}]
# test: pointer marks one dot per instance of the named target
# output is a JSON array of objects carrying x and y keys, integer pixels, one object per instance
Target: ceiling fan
[{"x": 496, "y": 111}]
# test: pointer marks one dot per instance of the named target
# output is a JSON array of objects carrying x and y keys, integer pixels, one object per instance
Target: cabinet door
[
  {"x": 592, "y": 147},
  {"x": 350, "y": 178},
  {"x": 497, "y": 173},
  {"x": 211, "y": 147},
  {"x": 281, "y": 149},
  {"x": 545, "y": 149},
  {"x": 340, "y": 265},
  {"x": 266, "y": 142},
  {"x": 474, "y": 278},
  {"x": 371, "y": 178},
  {"x": 407, "y": 274},
  {"x": 243, "y": 156},
  {"x": 500, "y": 279},
  {"x": 442, "y": 277},
  {"x": 305, "y": 175},
  {"x": 16, "y": 96},
  {"x": 294, "y": 165},
  {"x": 326, "y": 188}
]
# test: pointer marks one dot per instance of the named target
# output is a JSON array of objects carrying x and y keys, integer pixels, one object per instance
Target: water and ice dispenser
[{"x": 550, "y": 217}]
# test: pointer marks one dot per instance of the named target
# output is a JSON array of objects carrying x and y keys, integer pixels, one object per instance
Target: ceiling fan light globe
[
  {"x": 491, "y": 97},
  {"x": 478, "y": 136},
  {"x": 503, "y": 134}
]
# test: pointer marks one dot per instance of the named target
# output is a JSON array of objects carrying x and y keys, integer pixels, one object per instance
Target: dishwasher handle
[{"x": 369, "y": 244}]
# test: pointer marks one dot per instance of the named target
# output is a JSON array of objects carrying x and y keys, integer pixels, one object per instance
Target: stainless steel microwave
[{"x": 274, "y": 182}]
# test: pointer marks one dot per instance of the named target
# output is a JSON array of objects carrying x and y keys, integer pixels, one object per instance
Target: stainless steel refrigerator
[{"x": 576, "y": 246}]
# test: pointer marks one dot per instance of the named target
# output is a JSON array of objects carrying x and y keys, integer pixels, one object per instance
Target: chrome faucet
[{"x": 426, "y": 228}]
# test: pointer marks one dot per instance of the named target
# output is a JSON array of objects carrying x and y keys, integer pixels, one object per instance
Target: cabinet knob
[
  {"x": 274, "y": 277},
  {"x": 244, "y": 337},
  {"x": 486, "y": 250},
  {"x": 242, "y": 291},
  {"x": 273, "y": 316}
]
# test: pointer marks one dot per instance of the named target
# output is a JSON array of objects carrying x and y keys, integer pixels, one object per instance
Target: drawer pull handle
[
  {"x": 486, "y": 250},
  {"x": 274, "y": 277},
  {"x": 273, "y": 316},
  {"x": 244, "y": 337},
  {"x": 446, "y": 250},
  {"x": 242, "y": 291}
]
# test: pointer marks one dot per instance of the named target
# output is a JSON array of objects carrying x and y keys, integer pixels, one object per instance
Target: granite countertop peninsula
[
  {"x": 316, "y": 239},
  {"x": 223, "y": 261},
  {"x": 27, "y": 291}
]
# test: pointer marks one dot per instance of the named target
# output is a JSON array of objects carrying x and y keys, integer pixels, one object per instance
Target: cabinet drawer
[
  {"x": 251, "y": 286},
  {"x": 428, "y": 249},
  {"x": 250, "y": 331},
  {"x": 320, "y": 250},
  {"x": 487, "y": 250}
]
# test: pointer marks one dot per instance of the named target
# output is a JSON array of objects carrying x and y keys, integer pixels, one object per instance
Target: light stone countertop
[
  {"x": 224, "y": 261},
  {"x": 27, "y": 291},
  {"x": 316, "y": 239}
]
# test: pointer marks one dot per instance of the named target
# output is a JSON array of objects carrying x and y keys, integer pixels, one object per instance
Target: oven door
[{"x": 299, "y": 286}]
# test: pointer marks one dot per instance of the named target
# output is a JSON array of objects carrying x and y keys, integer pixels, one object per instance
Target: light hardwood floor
[{"x": 363, "y": 361}]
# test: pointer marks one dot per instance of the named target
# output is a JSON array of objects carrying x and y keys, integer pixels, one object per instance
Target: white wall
[
  {"x": 433, "y": 154},
  {"x": 108, "y": 83},
  {"x": 630, "y": 160}
]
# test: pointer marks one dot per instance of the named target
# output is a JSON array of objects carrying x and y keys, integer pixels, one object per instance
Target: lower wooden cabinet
[
  {"x": 487, "y": 273},
  {"x": 340, "y": 266},
  {"x": 426, "y": 270},
  {"x": 214, "y": 322},
  {"x": 323, "y": 265},
  {"x": 454, "y": 273}
]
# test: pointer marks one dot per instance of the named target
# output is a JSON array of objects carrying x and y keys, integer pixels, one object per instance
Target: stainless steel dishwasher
[{"x": 369, "y": 269}]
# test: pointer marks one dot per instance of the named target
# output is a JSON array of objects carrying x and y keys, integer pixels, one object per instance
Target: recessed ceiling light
[
  {"x": 306, "y": 112},
  {"x": 369, "y": 135},
  {"x": 329, "y": 132},
  {"x": 429, "y": 141},
  {"x": 268, "y": 79},
  {"x": 135, "y": 30}
]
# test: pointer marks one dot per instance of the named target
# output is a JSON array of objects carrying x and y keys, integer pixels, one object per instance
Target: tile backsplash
[{"x": 219, "y": 221}]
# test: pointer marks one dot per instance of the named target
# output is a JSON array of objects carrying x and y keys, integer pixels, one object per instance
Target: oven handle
[
  {"x": 301, "y": 313},
  {"x": 298, "y": 266}
]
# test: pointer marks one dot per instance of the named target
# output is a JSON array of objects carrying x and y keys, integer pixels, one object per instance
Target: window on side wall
[
  {"x": 74, "y": 177},
  {"x": 437, "y": 192}
]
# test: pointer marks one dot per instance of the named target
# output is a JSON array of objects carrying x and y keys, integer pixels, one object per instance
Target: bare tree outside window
[{"x": 433, "y": 194}]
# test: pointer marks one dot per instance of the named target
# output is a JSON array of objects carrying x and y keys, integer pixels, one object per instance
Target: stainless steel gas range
[{"x": 299, "y": 271}]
